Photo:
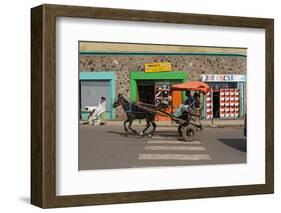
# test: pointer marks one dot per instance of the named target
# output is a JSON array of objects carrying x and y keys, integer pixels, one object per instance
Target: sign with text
[
  {"x": 223, "y": 78},
  {"x": 158, "y": 67}
]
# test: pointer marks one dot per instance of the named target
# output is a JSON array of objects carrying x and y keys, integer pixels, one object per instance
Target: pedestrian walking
[{"x": 97, "y": 114}]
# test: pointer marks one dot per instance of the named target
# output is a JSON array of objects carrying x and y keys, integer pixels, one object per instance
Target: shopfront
[
  {"x": 94, "y": 85},
  {"x": 226, "y": 98},
  {"x": 155, "y": 88}
]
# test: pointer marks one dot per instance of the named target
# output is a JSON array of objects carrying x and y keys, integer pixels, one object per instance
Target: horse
[{"x": 134, "y": 112}]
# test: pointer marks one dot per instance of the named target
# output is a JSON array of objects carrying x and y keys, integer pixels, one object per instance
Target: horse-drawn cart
[{"x": 187, "y": 117}]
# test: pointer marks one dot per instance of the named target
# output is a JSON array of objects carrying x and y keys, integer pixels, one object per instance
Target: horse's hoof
[
  {"x": 149, "y": 135},
  {"x": 135, "y": 132},
  {"x": 141, "y": 134}
]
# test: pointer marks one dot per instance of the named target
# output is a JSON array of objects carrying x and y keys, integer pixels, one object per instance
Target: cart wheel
[{"x": 189, "y": 133}]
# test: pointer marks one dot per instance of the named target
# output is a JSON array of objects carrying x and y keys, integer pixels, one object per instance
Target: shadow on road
[
  {"x": 236, "y": 143},
  {"x": 130, "y": 134},
  {"x": 123, "y": 134}
]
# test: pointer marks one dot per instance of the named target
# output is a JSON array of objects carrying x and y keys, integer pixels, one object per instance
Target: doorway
[
  {"x": 216, "y": 104},
  {"x": 146, "y": 92}
]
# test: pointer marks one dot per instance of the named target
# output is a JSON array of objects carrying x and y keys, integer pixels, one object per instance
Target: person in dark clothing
[
  {"x": 188, "y": 105},
  {"x": 197, "y": 110},
  {"x": 196, "y": 97},
  {"x": 190, "y": 101}
]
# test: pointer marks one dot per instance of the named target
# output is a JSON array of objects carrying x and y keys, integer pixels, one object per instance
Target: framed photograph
[{"x": 137, "y": 106}]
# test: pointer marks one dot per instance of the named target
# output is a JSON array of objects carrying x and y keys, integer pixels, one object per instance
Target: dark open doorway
[
  {"x": 146, "y": 92},
  {"x": 216, "y": 104}
]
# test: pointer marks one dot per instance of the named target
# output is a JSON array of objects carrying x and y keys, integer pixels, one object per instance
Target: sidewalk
[{"x": 205, "y": 123}]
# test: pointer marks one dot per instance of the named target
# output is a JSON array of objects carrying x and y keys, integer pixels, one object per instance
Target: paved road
[{"x": 106, "y": 147}]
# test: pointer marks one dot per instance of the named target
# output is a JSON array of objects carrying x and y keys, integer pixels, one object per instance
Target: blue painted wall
[{"x": 101, "y": 76}]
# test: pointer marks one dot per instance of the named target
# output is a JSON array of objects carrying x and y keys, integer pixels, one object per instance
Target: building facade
[{"x": 109, "y": 73}]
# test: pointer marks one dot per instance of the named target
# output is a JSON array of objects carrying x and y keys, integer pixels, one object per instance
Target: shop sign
[
  {"x": 158, "y": 67},
  {"x": 223, "y": 78}
]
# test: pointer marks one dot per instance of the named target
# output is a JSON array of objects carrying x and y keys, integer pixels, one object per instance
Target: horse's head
[{"x": 119, "y": 101}]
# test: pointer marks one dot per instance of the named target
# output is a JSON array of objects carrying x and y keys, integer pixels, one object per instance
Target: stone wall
[{"x": 195, "y": 65}]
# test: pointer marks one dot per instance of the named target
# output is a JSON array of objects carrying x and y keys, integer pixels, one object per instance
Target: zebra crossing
[{"x": 172, "y": 149}]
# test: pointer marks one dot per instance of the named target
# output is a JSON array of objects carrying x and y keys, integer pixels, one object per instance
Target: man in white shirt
[{"x": 98, "y": 117}]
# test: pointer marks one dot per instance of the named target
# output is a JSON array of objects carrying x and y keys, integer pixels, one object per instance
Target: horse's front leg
[
  {"x": 125, "y": 127},
  {"x": 130, "y": 127}
]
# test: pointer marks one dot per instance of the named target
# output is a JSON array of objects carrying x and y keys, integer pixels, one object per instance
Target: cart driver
[
  {"x": 190, "y": 101},
  {"x": 189, "y": 104}
]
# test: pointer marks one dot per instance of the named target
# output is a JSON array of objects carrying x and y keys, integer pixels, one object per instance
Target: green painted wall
[{"x": 134, "y": 76}]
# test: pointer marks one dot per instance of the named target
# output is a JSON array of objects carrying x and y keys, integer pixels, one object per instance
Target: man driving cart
[{"x": 188, "y": 105}]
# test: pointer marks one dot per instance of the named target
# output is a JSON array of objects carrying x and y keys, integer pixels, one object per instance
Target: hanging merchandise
[
  {"x": 229, "y": 103},
  {"x": 236, "y": 103},
  {"x": 162, "y": 93},
  {"x": 232, "y": 110},
  {"x": 209, "y": 105},
  {"x": 222, "y": 103}
]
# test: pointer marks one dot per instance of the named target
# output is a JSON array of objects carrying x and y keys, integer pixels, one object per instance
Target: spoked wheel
[{"x": 189, "y": 133}]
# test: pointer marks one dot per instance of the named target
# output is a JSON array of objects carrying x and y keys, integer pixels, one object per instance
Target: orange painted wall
[{"x": 176, "y": 101}]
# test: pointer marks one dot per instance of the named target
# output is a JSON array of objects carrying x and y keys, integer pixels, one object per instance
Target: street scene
[
  {"x": 148, "y": 105},
  {"x": 115, "y": 150}
]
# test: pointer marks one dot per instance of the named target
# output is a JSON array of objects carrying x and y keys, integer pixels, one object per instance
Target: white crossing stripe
[
  {"x": 173, "y": 142},
  {"x": 162, "y": 137},
  {"x": 176, "y": 148},
  {"x": 172, "y": 128},
  {"x": 191, "y": 157}
]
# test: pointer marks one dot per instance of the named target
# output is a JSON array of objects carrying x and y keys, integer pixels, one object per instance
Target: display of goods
[
  {"x": 229, "y": 103},
  {"x": 209, "y": 113},
  {"x": 209, "y": 105},
  {"x": 229, "y": 100}
]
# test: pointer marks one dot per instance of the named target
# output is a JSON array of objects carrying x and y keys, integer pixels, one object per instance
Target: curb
[{"x": 173, "y": 125}]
